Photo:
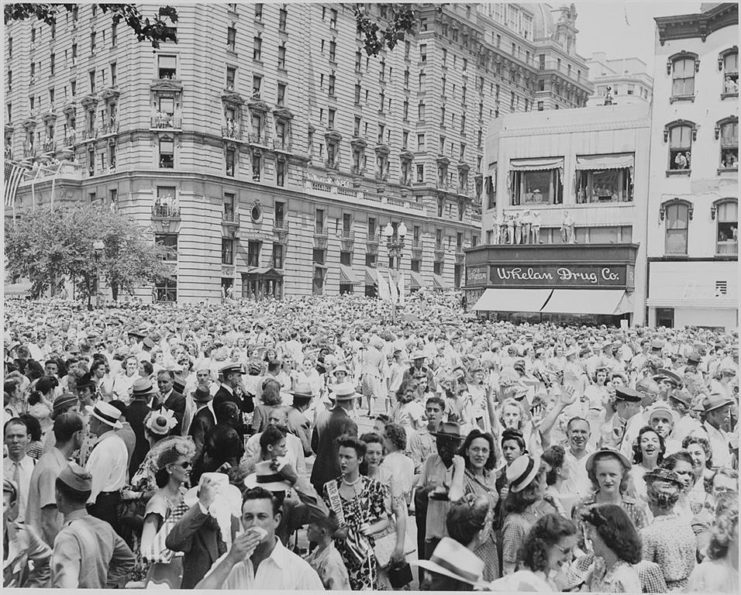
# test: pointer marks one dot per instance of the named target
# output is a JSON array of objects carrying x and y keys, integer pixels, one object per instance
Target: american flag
[{"x": 13, "y": 178}]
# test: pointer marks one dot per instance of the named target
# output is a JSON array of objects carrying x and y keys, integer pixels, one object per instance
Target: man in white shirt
[
  {"x": 716, "y": 425},
  {"x": 107, "y": 463},
  {"x": 257, "y": 559},
  {"x": 278, "y": 417},
  {"x": 18, "y": 466},
  {"x": 575, "y": 458}
]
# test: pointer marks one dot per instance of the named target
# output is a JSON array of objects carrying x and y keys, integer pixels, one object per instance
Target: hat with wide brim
[
  {"x": 673, "y": 377},
  {"x": 456, "y": 561},
  {"x": 303, "y": 390},
  {"x": 522, "y": 471},
  {"x": 265, "y": 477},
  {"x": 344, "y": 391},
  {"x": 106, "y": 413},
  {"x": 607, "y": 451},
  {"x": 449, "y": 429},
  {"x": 716, "y": 401},
  {"x": 142, "y": 387},
  {"x": 661, "y": 474},
  {"x": 418, "y": 355}
]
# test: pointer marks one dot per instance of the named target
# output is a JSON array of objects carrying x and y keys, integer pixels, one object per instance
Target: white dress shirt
[
  {"x": 108, "y": 464},
  {"x": 25, "y": 470}
]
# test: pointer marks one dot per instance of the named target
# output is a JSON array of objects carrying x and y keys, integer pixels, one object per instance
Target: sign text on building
[
  {"x": 476, "y": 275},
  {"x": 549, "y": 275}
]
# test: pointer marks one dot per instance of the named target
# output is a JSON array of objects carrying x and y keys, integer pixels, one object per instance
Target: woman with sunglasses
[{"x": 174, "y": 458}]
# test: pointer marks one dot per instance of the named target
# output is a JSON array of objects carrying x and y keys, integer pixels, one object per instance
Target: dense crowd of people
[{"x": 314, "y": 443}]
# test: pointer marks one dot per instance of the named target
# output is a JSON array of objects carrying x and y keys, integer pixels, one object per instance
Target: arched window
[
  {"x": 726, "y": 215},
  {"x": 680, "y": 135},
  {"x": 728, "y": 64},
  {"x": 682, "y": 67},
  {"x": 676, "y": 215}
]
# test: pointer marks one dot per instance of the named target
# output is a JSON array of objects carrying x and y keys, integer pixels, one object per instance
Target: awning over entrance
[
  {"x": 416, "y": 281},
  {"x": 439, "y": 283},
  {"x": 347, "y": 276},
  {"x": 371, "y": 276},
  {"x": 587, "y": 301},
  {"x": 536, "y": 164},
  {"x": 265, "y": 272},
  {"x": 513, "y": 300},
  {"x": 615, "y": 161},
  {"x": 15, "y": 289}
]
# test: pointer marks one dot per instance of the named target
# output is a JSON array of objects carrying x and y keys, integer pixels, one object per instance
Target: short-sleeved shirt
[
  {"x": 41, "y": 490},
  {"x": 434, "y": 474},
  {"x": 282, "y": 570}
]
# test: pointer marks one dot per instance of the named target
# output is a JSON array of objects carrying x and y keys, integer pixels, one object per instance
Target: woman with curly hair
[
  {"x": 719, "y": 570},
  {"x": 616, "y": 546},
  {"x": 549, "y": 545},
  {"x": 669, "y": 540},
  {"x": 702, "y": 469},
  {"x": 648, "y": 452},
  {"x": 480, "y": 480},
  {"x": 681, "y": 463}
]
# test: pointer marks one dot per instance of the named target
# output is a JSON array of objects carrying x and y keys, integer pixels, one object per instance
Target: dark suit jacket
[
  {"x": 176, "y": 403},
  {"x": 202, "y": 423},
  {"x": 324, "y": 439},
  {"x": 197, "y": 535},
  {"x": 135, "y": 414},
  {"x": 245, "y": 403}
]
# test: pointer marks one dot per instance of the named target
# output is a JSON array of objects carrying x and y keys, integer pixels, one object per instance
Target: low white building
[
  {"x": 625, "y": 79},
  {"x": 693, "y": 188}
]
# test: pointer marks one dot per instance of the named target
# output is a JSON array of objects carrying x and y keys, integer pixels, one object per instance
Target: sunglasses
[{"x": 185, "y": 464}]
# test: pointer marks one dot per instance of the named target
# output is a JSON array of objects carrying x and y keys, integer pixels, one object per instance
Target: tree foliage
[
  {"x": 155, "y": 30},
  {"x": 378, "y": 34},
  {"x": 52, "y": 244}
]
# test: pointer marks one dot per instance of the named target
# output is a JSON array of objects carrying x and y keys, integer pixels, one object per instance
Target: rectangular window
[
  {"x": 92, "y": 42},
  {"x": 91, "y": 76},
  {"x": 231, "y": 77},
  {"x": 677, "y": 224},
  {"x": 680, "y": 146},
  {"x": 166, "y": 289},
  {"x": 729, "y": 145},
  {"x": 280, "y": 213},
  {"x": 231, "y": 158},
  {"x": 683, "y": 77},
  {"x": 256, "y": 167},
  {"x": 332, "y": 50},
  {"x": 277, "y": 255},
  {"x": 437, "y": 267},
  {"x": 730, "y": 73},
  {"x": 167, "y": 153},
  {"x": 231, "y": 39},
  {"x": 727, "y": 215},
  {"x": 258, "y": 12},
  {"x": 319, "y": 255},
  {"x": 227, "y": 251},
  {"x": 52, "y": 60},
  {"x": 256, "y": 86},
  {"x": 542, "y": 187},
  {"x": 282, "y": 18},
  {"x": 346, "y": 258},
  {"x": 371, "y": 227},
  {"x": 167, "y": 67},
  {"x": 331, "y": 85},
  {"x": 253, "y": 253},
  {"x": 114, "y": 78},
  {"x": 319, "y": 222},
  {"x": 601, "y": 186},
  {"x": 282, "y": 56},
  {"x": 169, "y": 241},
  {"x": 257, "y": 48},
  {"x": 280, "y": 173},
  {"x": 114, "y": 34}
]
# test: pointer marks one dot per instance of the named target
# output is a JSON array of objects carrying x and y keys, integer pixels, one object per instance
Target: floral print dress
[{"x": 368, "y": 506}]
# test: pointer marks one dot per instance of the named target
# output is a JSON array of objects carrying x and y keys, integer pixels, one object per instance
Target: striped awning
[{"x": 347, "y": 275}]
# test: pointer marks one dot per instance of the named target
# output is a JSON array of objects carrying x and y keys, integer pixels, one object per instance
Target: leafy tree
[
  {"x": 376, "y": 36},
  {"x": 56, "y": 243},
  {"x": 155, "y": 31}
]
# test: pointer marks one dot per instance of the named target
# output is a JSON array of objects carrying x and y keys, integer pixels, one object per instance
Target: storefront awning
[
  {"x": 265, "y": 272},
  {"x": 588, "y": 301},
  {"x": 616, "y": 161},
  {"x": 513, "y": 300},
  {"x": 15, "y": 289},
  {"x": 347, "y": 275},
  {"x": 416, "y": 281},
  {"x": 536, "y": 164},
  {"x": 371, "y": 276},
  {"x": 439, "y": 283}
]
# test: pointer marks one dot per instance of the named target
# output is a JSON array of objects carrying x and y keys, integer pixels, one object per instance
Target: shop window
[
  {"x": 665, "y": 317},
  {"x": 728, "y": 143},
  {"x": 166, "y": 290},
  {"x": 169, "y": 241},
  {"x": 683, "y": 68},
  {"x": 608, "y": 185},
  {"x": 728, "y": 62},
  {"x": 680, "y": 136},
  {"x": 543, "y": 187},
  {"x": 726, "y": 213},
  {"x": 677, "y": 215},
  {"x": 167, "y": 153}
]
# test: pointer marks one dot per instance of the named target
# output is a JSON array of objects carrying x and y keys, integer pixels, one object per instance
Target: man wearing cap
[
  {"x": 418, "y": 370},
  {"x": 660, "y": 417},
  {"x": 42, "y": 513},
  {"x": 296, "y": 421},
  {"x": 715, "y": 427},
  {"x": 204, "y": 418},
  {"x": 107, "y": 464},
  {"x": 88, "y": 554},
  {"x": 231, "y": 389},
  {"x": 142, "y": 393},
  {"x": 324, "y": 438},
  {"x": 622, "y": 429}
]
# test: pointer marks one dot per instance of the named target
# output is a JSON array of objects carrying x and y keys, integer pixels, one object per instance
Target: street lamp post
[
  {"x": 98, "y": 248},
  {"x": 395, "y": 248}
]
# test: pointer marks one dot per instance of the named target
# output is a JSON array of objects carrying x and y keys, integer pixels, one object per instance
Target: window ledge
[
  {"x": 675, "y": 98},
  {"x": 532, "y": 206},
  {"x": 617, "y": 203},
  {"x": 678, "y": 172},
  {"x": 727, "y": 170},
  {"x": 727, "y": 95}
]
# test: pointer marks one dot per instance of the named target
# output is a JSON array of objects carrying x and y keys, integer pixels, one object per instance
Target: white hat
[
  {"x": 106, "y": 413},
  {"x": 344, "y": 391},
  {"x": 454, "y": 560},
  {"x": 522, "y": 471},
  {"x": 265, "y": 477}
]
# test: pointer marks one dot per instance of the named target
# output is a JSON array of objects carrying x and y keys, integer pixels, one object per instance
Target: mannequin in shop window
[
  {"x": 567, "y": 229},
  {"x": 527, "y": 221},
  {"x": 535, "y": 226}
]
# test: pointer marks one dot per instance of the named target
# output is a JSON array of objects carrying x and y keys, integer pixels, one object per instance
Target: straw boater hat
[
  {"x": 142, "y": 387},
  {"x": 303, "y": 390},
  {"x": 344, "y": 391},
  {"x": 106, "y": 413},
  {"x": 715, "y": 401},
  {"x": 522, "y": 471},
  {"x": 265, "y": 477},
  {"x": 454, "y": 560},
  {"x": 418, "y": 355}
]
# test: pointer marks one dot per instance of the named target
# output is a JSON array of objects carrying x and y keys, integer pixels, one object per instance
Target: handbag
[
  {"x": 385, "y": 544},
  {"x": 400, "y": 574}
]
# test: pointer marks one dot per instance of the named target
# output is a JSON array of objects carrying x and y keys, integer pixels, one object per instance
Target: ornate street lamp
[
  {"x": 395, "y": 247},
  {"x": 98, "y": 248}
]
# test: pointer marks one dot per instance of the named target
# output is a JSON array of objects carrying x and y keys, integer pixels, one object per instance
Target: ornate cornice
[{"x": 689, "y": 26}]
